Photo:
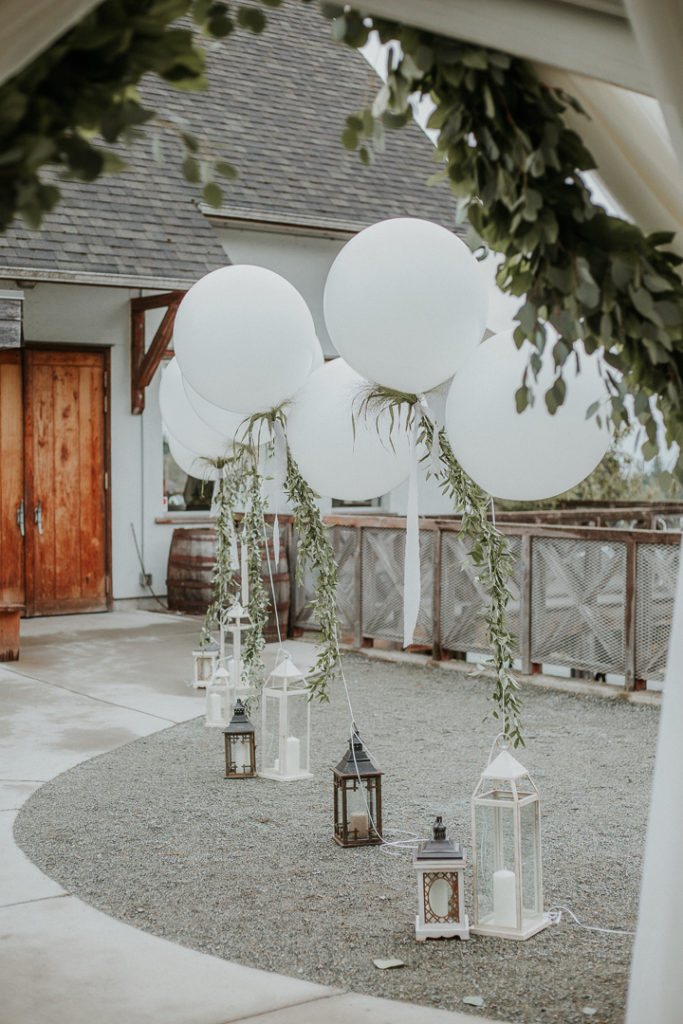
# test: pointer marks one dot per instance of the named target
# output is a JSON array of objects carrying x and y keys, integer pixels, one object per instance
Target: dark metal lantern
[
  {"x": 357, "y": 798},
  {"x": 240, "y": 747}
]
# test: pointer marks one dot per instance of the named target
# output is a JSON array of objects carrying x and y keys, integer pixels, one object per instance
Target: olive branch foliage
[
  {"x": 489, "y": 550},
  {"x": 515, "y": 168}
]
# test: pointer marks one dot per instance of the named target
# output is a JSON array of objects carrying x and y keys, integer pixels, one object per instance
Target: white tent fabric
[
  {"x": 29, "y": 26},
  {"x": 626, "y": 133},
  {"x": 656, "y": 987}
]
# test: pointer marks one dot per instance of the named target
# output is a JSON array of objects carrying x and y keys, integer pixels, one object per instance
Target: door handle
[
  {"x": 21, "y": 519},
  {"x": 38, "y": 516}
]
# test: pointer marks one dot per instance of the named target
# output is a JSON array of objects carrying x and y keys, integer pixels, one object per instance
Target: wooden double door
[{"x": 54, "y": 473}]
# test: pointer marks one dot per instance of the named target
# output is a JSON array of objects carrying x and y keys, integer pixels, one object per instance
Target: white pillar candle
[
  {"x": 292, "y": 755},
  {"x": 244, "y": 596},
  {"x": 276, "y": 765},
  {"x": 504, "y": 899},
  {"x": 214, "y": 710},
  {"x": 358, "y": 825}
]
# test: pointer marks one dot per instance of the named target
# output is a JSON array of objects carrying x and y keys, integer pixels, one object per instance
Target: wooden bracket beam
[{"x": 144, "y": 361}]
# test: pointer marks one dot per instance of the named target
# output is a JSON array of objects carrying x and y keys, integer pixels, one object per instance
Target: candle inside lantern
[
  {"x": 292, "y": 761},
  {"x": 215, "y": 707},
  {"x": 244, "y": 596},
  {"x": 241, "y": 756},
  {"x": 504, "y": 899},
  {"x": 358, "y": 825}
]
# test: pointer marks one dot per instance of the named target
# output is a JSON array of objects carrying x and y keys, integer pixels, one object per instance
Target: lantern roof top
[
  {"x": 505, "y": 766},
  {"x": 286, "y": 670},
  {"x": 239, "y": 722},
  {"x": 356, "y": 760},
  {"x": 438, "y": 847},
  {"x": 209, "y": 648}
]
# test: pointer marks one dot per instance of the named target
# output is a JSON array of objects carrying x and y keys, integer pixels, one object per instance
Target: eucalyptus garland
[
  {"x": 516, "y": 170},
  {"x": 230, "y": 493},
  {"x": 257, "y": 605},
  {"x": 490, "y": 551},
  {"x": 315, "y": 552}
]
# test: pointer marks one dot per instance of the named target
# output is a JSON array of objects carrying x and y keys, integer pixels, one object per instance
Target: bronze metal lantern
[
  {"x": 240, "y": 748},
  {"x": 357, "y": 798}
]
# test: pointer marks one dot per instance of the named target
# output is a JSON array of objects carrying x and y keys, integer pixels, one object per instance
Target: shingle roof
[{"x": 276, "y": 105}]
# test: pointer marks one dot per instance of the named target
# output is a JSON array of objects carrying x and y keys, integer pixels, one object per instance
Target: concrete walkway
[{"x": 87, "y": 684}]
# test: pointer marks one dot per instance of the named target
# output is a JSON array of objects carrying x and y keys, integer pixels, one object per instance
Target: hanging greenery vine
[
  {"x": 516, "y": 170},
  {"x": 315, "y": 552},
  {"x": 489, "y": 551},
  {"x": 257, "y": 605},
  {"x": 230, "y": 493}
]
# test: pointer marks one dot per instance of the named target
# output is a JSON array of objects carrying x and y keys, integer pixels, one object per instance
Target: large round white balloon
[
  {"x": 228, "y": 424},
  {"x": 530, "y": 455},
  {"x": 242, "y": 337},
  {"x": 405, "y": 303},
  {"x": 183, "y": 423},
  {"x": 320, "y": 429},
  {"x": 191, "y": 463}
]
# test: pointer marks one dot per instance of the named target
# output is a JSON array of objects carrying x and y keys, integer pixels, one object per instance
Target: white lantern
[
  {"x": 205, "y": 664},
  {"x": 440, "y": 865},
  {"x": 286, "y": 720},
  {"x": 238, "y": 622},
  {"x": 405, "y": 303},
  {"x": 218, "y": 704},
  {"x": 506, "y": 839}
]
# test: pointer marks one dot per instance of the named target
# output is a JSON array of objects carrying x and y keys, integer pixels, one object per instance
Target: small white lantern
[
  {"x": 506, "y": 838},
  {"x": 205, "y": 663},
  {"x": 440, "y": 865},
  {"x": 286, "y": 720},
  {"x": 239, "y": 621},
  {"x": 218, "y": 699}
]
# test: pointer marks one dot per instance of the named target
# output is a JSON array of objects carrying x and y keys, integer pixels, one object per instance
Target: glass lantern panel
[
  {"x": 240, "y": 754},
  {"x": 441, "y": 896},
  {"x": 294, "y": 735},
  {"x": 531, "y": 866},
  {"x": 270, "y": 740},
  {"x": 361, "y": 808},
  {"x": 495, "y": 853}
]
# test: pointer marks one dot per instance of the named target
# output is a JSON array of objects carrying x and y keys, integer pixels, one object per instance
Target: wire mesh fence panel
[
  {"x": 578, "y": 596},
  {"x": 465, "y": 599},
  {"x": 343, "y": 540},
  {"x": 656, "y": 572},
  {"x": 382, "y": 585}
]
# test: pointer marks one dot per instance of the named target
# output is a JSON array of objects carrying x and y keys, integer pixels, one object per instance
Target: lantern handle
[{"x": 500, "y": 741}]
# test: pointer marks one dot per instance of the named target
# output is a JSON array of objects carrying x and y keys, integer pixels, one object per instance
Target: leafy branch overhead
[
  {"x": 80, "y": 97},
  {"x": 516, "y": 170}
]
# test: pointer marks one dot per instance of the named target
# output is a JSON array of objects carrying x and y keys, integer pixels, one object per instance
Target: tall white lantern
[
  {"x": 286, "y": 720},
  {"x": 506, "y": 840},
  {"x": 218, "y": 699},
  {"x": 205, "y": 664}
]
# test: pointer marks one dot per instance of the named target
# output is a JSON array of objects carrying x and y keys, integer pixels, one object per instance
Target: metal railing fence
[{"x": 595, "y": 600}]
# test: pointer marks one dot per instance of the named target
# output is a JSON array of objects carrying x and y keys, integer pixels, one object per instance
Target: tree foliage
[
  {"x": 517, "y": 172},
  {"x": 72, "y": 103}
]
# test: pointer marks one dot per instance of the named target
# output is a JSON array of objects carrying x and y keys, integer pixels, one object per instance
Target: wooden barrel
[{"x": 189, "y": 586}]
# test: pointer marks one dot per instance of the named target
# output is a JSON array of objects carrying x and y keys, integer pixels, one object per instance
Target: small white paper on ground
[
  {"x": 384, "y": 965},
  {"x": 589, "y": 1011},
  {"x": 473, "y": 1000}
]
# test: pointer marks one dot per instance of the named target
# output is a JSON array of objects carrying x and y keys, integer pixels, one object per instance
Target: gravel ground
[{"x": 247, "y": 870}]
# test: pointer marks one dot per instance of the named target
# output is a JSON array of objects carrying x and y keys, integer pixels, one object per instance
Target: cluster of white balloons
[{"x": 405, "y": 304}]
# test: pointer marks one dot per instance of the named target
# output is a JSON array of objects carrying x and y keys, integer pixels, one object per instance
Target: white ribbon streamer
[{"x": 411, "y": 568}]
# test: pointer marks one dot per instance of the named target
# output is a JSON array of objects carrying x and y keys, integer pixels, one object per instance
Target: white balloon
[
  {"x": 405, "y": 303},
  {"x": 318, "y": 355},
  {"x": 222, "y": 421},
  {"x": 191, "y": 463},
  {"x": 530, "y": 455},
  {"x": 242, "y": 337},
  {"x": 320, "y": 431},
  {"x": 183, "y": 423}
]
